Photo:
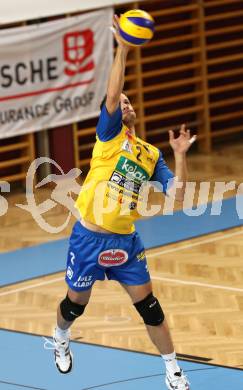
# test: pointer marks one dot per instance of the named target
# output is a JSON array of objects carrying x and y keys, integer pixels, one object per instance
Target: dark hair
[{"x": 103, "y": 102}]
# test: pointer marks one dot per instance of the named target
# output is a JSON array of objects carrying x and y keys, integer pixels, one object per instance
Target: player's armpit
[{"x": 112, "y": 103}]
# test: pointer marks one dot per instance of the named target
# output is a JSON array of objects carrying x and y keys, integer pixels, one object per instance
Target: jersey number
[{"x": 139, "y": 149}]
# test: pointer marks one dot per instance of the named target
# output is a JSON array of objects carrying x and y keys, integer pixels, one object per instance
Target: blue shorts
[{"x": 93, "y": 256}]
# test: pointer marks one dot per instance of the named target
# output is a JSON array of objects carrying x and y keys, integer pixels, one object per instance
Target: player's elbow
[
  {"x": 112, "y": 96},
  {"x": 175, "y": 194},
  {"x": 179, "y": 199},
  {"x": 176, "y": 198},
  {"x": 180, "y": 195}
]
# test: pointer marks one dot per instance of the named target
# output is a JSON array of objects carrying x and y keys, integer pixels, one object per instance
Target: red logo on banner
[
  {"x": 78, "y": 47},
  {"x": 112, "y": 257}
]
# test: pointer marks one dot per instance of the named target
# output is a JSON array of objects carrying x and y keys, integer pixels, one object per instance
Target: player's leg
[
  {"x": 134, "y": 277},
  {"x": 69, "y": 309},
  {"x": 81, "y": 274},
  {"x": 72, "y": 307},
  {"x": 153, "y": 316},
  {"x": 142, "y": 298}
]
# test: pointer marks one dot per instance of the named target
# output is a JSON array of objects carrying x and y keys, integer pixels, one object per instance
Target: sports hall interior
[{"x": 191, "y": 72}]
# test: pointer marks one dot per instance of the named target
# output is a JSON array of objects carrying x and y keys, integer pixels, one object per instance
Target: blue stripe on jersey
[
  {"x": 131, "y": 39},
  {"x": 142, "y": 22}
]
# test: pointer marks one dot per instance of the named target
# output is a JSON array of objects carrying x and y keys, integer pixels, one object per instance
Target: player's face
[{"x": 128, "y": 113}]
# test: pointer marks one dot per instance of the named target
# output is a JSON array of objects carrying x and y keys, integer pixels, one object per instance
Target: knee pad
[
  {"x": 150, "y": 310},
  {"x": 71, "y": 310}
]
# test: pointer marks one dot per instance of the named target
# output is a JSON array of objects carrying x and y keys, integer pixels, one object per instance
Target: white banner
[
  {"x": 12, "y": 11},
  {"x": 54, "y": 73}
]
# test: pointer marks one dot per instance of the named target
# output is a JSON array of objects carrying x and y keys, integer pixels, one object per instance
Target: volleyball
[{"x": 136, "y": 27}]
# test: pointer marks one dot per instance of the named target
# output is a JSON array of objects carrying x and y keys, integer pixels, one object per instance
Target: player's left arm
[
  {"x": 180, "y": 146},
  {"x": 162, "y": 174},
  {"x": 174, "y": 184}
]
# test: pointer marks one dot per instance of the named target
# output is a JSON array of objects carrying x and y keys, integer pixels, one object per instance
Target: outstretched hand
[
  {"x": 182, "y": 143},
  {"x": 117, "y": 35}
]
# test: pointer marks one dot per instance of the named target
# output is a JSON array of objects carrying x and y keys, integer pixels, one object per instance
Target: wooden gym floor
[{"x": 199, "y": 283}]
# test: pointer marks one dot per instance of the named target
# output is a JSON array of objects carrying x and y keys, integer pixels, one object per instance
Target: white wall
[{"x": 19, "y": 10}]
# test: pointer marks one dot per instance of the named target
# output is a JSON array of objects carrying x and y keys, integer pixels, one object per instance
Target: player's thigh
[
  {"x": 139, "y": 292},
  {"x": 79, "y": 297}
]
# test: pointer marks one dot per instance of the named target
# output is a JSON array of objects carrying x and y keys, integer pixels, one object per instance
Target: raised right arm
[{"x": 117, "y": 74}]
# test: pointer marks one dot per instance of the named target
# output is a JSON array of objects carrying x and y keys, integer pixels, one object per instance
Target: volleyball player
[{"x": 106, "y": 243}]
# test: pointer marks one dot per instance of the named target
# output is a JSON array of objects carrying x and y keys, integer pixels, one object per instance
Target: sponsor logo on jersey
[
  {"x": 123, "y": 182},
  {"x": 112, "y": 257},
  {"x": 132, "y": 206},
  {"x": 127, "y": 146},
  {"x": 131, "y": 170}
]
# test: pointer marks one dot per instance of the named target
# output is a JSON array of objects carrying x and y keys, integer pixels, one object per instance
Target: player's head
[{"x": 128, "y": 113}]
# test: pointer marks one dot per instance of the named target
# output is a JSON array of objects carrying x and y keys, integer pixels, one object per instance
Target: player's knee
[
  {"x": 71, "y": 310},
  {"x": 150, "y": 310}
]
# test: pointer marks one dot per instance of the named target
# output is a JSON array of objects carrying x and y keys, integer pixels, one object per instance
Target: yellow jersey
[{"x": 110, "y": 192}]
